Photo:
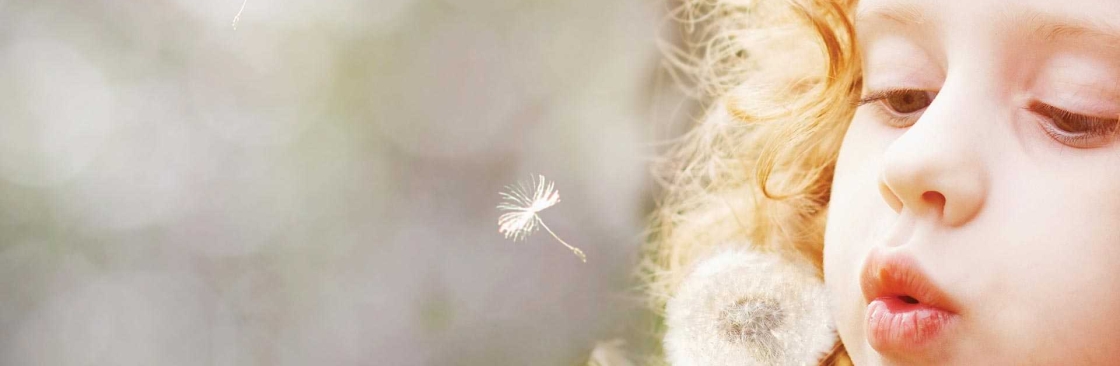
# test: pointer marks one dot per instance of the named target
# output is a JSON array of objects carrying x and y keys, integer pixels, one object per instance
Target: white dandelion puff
[
  {"x": 524, "y": 202},
  {"x": 748, "y": 308},
  {"x": 238, "y": 16}
]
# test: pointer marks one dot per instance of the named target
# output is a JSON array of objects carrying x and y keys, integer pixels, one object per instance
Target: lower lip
[{"x": 895, "y": 326}]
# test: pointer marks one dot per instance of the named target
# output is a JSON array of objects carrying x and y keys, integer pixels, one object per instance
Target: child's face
[{"x": 981, "y": 180}]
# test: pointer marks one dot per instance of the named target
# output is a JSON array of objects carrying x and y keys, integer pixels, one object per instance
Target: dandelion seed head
[
  {"x": 748, "y": 308},
  {"x": 750, "y": 320}
]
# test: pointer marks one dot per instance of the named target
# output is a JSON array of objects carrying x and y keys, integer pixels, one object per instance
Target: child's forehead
[{"x": 1097, "y": 21}]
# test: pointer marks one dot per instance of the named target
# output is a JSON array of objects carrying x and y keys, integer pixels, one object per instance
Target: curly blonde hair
[{"x": 779, "y": 80}]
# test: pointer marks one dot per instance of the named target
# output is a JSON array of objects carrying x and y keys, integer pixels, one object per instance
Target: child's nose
[{"x": 935, "y": 168}]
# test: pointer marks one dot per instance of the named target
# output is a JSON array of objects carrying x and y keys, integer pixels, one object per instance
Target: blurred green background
[{"x": 318, "y": 186}]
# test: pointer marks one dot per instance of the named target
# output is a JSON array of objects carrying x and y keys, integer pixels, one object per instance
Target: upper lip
[{"x": 892, "y": 273}]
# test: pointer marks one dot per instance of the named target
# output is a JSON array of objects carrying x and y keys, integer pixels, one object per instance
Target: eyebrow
[
  {"x": 901, "y": 13},
  {"x": 1041, "y": 26},
  {"x": 1052, "y": 28}
]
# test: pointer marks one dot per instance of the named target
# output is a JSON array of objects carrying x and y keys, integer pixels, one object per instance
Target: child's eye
[
  {"x": 907, "y": 101},
  {"x": 1076, "y": 130},
  {"x": 902, "y": 105}
]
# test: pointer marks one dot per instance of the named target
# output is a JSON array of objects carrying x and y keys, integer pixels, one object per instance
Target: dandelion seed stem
[
  {"x": 238, "y": 16},
  {"x": 578, "y": 253}
]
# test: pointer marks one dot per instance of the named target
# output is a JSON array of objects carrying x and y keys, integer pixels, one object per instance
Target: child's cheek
[{"x": 856, "y": 210}]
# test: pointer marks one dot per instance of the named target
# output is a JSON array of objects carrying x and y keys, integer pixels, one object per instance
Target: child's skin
[{"x": 1010, "y": 207}]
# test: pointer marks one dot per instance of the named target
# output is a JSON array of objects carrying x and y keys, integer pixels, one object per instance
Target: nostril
[
  {"x": 908, "y": 299},
  {"x": 935, "y": 199}
]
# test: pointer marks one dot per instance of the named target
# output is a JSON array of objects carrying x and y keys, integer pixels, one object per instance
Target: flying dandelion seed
[
  {"x": 238, "y": 16},
  {"x": 524, "y": 202}
]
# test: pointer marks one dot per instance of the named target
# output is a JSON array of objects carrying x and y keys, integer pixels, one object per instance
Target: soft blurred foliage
[{"x": 318, "y": 185}]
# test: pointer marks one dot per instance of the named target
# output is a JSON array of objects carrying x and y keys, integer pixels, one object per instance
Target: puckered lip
[{"x": 894, "y": 273}]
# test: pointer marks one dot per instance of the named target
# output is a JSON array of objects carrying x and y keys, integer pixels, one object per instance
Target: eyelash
[
  {"x": 894, "y": 119},
  {"x": 1096, "y": 131}
]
